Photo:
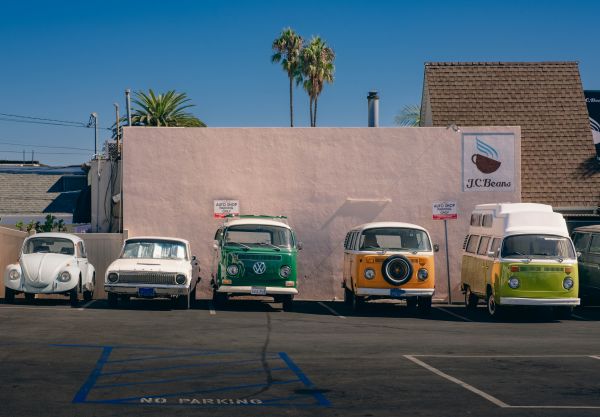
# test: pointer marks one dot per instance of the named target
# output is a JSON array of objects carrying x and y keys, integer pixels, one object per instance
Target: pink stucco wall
[{"x": 326, "y": 180}]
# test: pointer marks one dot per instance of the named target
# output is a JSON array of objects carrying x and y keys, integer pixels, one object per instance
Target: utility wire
[
  {"x": 45, "y": 146},
  {"x": 41, "y": 118},
  {"x": 48, "y": 153},
  {"x": 42, "y": 121}
]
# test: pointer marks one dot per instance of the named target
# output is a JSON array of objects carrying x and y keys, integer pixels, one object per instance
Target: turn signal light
[
  {"x": 514, "y": 268},
  {"x": 227, "y": 281},
  {"x": 289, "y": 283},
  {"x": 370, "y": 260},
  {"x": 568, "y": 269}
]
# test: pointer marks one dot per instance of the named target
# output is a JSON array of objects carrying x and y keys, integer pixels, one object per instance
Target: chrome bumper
[
  {"x": 246, "y": 289},
  {"x": 159, "y": 290},
  {"x": 398, "y": 292},
  {"x": 520, "y": 301}
]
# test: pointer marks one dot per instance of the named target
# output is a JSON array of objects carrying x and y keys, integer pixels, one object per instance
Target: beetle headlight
[
  {"x": 232, "y": 270},
  {"x": 14, "y": 274},
  {"x": 285, "y": 271},
  {"x": 514, "y": 283},
  {"x": 112, "y": 277},
  {"x": 369, "y": 273},
  {"x": 568, "y": 283},
  {"x": 64, "y": 276},
  {"x": 180, "y": 279},
  {"x": 422, "y": 274}
]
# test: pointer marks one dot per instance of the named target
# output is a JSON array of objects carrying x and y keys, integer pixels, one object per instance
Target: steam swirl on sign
[{"x": 486, "y": 149}]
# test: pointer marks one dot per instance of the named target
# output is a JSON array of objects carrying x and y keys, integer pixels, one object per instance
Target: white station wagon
[
  {"x": 51, "y": 263},
  {"x": 153, "y": 267}
]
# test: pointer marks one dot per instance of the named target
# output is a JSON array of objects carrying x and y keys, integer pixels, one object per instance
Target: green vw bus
[
  {"x": 255, "y": 255},
  {"x": 519, "y": 254}
]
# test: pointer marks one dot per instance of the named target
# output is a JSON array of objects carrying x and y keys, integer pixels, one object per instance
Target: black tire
[
  {"x": 288, "y": 303},
  {"x": 471, "y": 300},
  {"x": 74, "y": 297},
  {"x": 29, "y": 298},
  {"x": 88, "y": 296},
  {"x": 9, "y": 295},
  {"x": 278, "y": 298},
  {"x": 563, "y": 312},
  {"x": 494, "y": 310},
  {"x": 113, "y": 299},
  {"x": 193, "y": 296},
  {"x": 424, "y": 306},
  {"x": 347, "y": 297},
  {"x": 183, "y": 302},
  {"x": 411, "y": 305},
  {"x": 357, "y": 302},
  {"x": 219, "y": 298},
  {"x": 397, "y": 270}
]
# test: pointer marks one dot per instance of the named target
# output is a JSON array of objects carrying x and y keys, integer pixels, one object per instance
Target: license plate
[
  {"x": 146, "y": 292},
  {"x": 258, "y": 291},
  {"x": 396, "y": 292}
]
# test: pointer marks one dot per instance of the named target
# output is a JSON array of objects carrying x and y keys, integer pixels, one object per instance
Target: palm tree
[
  {"x": 166, "y": 109},
  {"x": 409, "y": 116},
  {"x": 317, "y": 67},
  {"x": 287, "y": 49}
]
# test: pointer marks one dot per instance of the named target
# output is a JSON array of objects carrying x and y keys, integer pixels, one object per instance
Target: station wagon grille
[
  {"x": 143, "y": 277},
  {"x": 253, "y": 257}
]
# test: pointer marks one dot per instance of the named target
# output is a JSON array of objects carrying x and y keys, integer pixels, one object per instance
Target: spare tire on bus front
[{"x": 397, "y": 270}]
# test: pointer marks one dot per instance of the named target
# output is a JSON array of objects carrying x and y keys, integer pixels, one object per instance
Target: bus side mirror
[
  {"x": 491, "y": 254},
  {"x": 300, "y": 245},
  {"x": 436, "y": 247}
]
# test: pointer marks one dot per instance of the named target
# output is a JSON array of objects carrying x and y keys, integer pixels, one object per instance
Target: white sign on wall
[
  {"x": 222, "y": 208},
  {"x": 444, "y": 210},
  {"x": 488, "y": 162}
]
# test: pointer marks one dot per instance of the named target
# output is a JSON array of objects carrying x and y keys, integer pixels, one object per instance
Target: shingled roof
[{"x": 546, "y": 99}]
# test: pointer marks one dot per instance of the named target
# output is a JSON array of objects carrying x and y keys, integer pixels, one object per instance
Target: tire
[
  {"x": 424, "y": 306},
  {"x": 563, "y": 312},
  {"x": 183, "y": 301},
  {"x": 471, "y": 300},
  {"x": 397, "y": 270},
  {"x": 493, "y": 309},
  {"x": 9, "y": 295},
  {"x": 74, "y": 297},
  {"x": 288, "y": 303},
  {"x": 88, "y": 296},
  {"x": 411, "y": 305},
  {"x": 113, "y": 299},
  {"x": 193, "y": 296},
  {"x": 347, "y": 297},
  {"x": 219, "y": 298},
  {"x": 29, "y": 298},
  {"x": 357, "y": 302}
]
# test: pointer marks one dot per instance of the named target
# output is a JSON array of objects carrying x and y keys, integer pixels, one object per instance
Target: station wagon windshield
[
  {"x": 537, "y": 246},
  {"x": 154, "y": 249},
  {"x": 395, "y": 238},
  {"x": 258, "y": 235},
  {"x": 49, "y": 245}
]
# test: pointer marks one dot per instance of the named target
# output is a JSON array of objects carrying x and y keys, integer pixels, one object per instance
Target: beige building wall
[
  {"x": 11, "y": 241},
  {"x": 326, "y": 180}
]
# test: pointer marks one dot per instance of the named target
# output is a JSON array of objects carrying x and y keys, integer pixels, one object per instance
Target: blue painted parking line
[{"x": 218, "y": 373}]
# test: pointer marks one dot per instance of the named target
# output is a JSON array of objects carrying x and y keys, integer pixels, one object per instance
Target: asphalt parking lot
[{"x": 145, "y": 358}]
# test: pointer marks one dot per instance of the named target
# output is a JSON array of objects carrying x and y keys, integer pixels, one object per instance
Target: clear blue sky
[{"x": 64, "y": 60}]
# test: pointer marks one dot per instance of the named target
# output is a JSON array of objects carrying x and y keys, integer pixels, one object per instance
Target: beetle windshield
[
  {"x": 390, "y": 238},
  {"x": 49, "y": 245},
  {"x": 154, "y": 249},
  {"x": 258, "y": 235},
  {"x": 537, "y": 246}
]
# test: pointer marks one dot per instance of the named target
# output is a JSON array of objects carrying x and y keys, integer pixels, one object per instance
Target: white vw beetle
[
  {"x": 151, "y": 267},
  {"x": 51, "y": 263}
]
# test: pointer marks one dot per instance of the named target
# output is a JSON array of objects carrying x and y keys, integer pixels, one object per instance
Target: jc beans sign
[{"x": 488, "y": 162}]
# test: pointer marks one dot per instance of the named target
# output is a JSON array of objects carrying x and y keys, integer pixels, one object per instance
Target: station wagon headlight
[
  {"x": 180, "y": 279},
  {"x": 14, "y": 274},
  {"x": 112, "y": 277},
  {"x": 568, "y": 283},
  {"x": 285, "y": 271},
  {"x": 422, "y": 274},
  {"x": 232, "y": 270},
  {"x": 514, "y": 283},
  {"x": 369, "y": 273},
  {"x": 64, "y": 276}
]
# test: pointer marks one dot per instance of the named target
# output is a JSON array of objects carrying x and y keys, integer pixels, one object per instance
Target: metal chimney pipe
[
  {"x": 128, "y": 102},
  {"x": 373, "y": 102}
]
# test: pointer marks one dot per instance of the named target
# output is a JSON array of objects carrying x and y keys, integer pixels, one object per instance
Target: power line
[
  {"x": 41, "y": 121},
  {"x": 48, "y": 153},
  {"x": 41, "y": 118},
  {"x": 45, "y": 146}
]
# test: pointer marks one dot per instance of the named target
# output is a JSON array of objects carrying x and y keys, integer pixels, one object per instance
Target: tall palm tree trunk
[
  {"x": 291, "y": 104},
  {"x": 311, "y": 111},
  {"x": 315, "y": 112}
]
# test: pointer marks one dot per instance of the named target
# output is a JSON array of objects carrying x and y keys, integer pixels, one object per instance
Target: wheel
[
  {"x": 288, "y": 303},
  {"x": 347, "y": 297},
  {"x": 193, "y": 296},
  {"x": 494, "y": 310},
  {"x": 424, "y": 305},
  {"x": 471, "y": 300},
  {"x": 113, "y": 299},
  {"x": 183, "y": 301},
  {"x": 219, "y": 298},
  {"x": 411, "y": 304},
  {"x": 73, "y": 297},
  {"x": 9, "y": 295},
  {"x": 278, "y": 299},
  {"x": 29, "y": 298},
  {"x": 357, "y": 302},
  {"x": 88, "y": 295},
  {"x": 563, "y": 312}
]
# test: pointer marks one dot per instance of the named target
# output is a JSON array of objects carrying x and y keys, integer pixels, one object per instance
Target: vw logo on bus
[{"x": 259, "y": 268}]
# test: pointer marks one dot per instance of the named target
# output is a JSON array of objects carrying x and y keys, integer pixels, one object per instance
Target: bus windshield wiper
[
  {"x": 238, "y": 243},
  {"x": 270, "y": 244}
]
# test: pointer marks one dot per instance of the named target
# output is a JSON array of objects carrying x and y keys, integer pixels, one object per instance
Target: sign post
[{"x": 445, "y": 210}]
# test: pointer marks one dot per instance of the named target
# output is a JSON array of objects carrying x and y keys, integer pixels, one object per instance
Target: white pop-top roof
[
  {"x": 265, "y": 222},
  {"x": 521, "y": 218},
  {"x": 176, "y": 239},
  {"x": 376, "y": 225},
  {"x": 56, "y": 235}
]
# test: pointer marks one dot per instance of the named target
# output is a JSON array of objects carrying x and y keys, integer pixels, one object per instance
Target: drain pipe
[{"x": 373, "y": 103}]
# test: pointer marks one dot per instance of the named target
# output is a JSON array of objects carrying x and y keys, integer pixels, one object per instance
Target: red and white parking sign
[{"x": 444, "y": 210}]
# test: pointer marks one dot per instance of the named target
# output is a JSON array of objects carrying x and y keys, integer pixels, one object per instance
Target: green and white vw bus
[
  {"x": 519, "y": 254},
  {"x": 255, "y": 255}
]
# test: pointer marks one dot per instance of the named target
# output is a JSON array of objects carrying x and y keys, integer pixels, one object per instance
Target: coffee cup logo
[{"x": 486, "y": 160}]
